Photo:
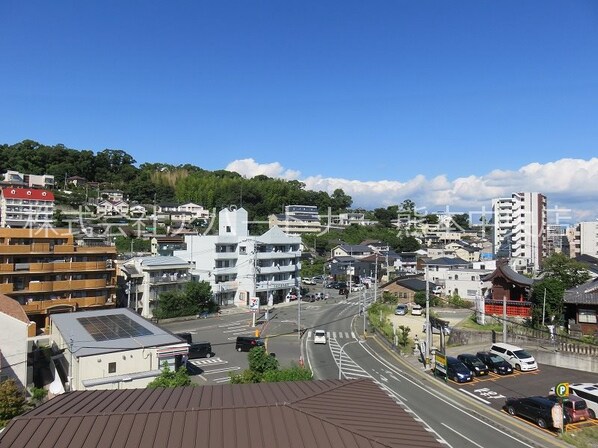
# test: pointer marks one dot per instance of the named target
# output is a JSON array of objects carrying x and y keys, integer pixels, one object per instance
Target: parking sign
[{"x": 562, "y": 390}]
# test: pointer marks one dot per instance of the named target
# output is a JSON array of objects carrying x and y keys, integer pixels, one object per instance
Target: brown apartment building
[{"x": 47, "y": 272}]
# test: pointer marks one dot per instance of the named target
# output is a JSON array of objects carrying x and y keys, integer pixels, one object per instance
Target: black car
[
  {"x": 246, "y": 343},
  {"x": 457, "y": 371},
  {"x": 536, "y": 409},
  {"x": 495, "y": 363},
  {"x": 200, "y": 350},
  {"x": 474, "y": 364}
]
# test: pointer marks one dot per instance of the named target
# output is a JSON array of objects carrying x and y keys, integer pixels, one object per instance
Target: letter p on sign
[{"x": 562, "y": 390}]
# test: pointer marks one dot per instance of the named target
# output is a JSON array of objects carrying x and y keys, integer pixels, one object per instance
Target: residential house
[
  {"x": 137, "y": 211},
  {"x": 26, "y": 207},
  {"x": 77, "y": 181},
  {"x": 346, "y": 219},
  {"x": 351, "y": 250},
  {"x": 240, "y": 266},
  {"x": 165, "y": 245},
  {"x": 16, "y": 328},
  {"x": 47, "y": 272},
  {"x": 112, "y": 208},
  {"x": 112, "y": 349},
  {"x": 306, "y": 414},
  {"x": 581, "y": 309},
  {"x": 464, "y": 250},
  {"x": 406, "y": 288},
  {"x": 112, "y": 195},
  {"x": 146, "y": 278}
]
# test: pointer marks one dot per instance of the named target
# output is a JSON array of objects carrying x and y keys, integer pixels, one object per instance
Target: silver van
[{"x": 516, "y": 356}]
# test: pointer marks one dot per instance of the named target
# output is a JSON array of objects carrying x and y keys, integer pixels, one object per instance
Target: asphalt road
[{"x": 460, "y": 415}]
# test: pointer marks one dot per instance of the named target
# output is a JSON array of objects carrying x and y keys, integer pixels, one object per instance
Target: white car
[
  {"x": 319, "y": 337},
  {"x": 417, "y": 310}
]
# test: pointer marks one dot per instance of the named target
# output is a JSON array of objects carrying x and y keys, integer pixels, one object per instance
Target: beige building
[{"x": 47, "y": 272}]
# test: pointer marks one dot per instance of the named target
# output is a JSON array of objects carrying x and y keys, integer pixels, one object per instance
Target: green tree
[
  {"x": 170, "y": 378},
  {"x": 293, "y": 373},
  {"x": 461, "y": 221},
  {"x": 547, "y": 298},
  {"x": 570, "y": 272},
  {"x": 260, "y": 361},
  {"x": 420, "y": 299},
  {"x": 403, "y": 335},
  {"x": 12, "y": 400}
]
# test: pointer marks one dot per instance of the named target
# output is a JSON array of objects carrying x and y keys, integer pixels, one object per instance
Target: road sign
[
  {"x": 440, "y": 361},
  {"x": 562, "y": 390},
  {"x": 254, "y": 303}
]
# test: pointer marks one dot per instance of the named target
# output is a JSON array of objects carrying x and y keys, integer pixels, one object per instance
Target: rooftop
[{"x": 328, "y": 413}]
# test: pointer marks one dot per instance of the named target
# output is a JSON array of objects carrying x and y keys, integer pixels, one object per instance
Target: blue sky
[{"x": 450, "y": 103}]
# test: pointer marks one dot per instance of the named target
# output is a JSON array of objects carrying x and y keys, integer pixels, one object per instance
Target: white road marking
[
  {"x": 458, "y": 433},
  {"x": 474, "y": 396},
  {"x": 226, "y": 369}
]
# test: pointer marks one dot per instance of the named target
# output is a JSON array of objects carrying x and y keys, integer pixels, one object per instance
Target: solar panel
[{"x": 115, "y": 326}]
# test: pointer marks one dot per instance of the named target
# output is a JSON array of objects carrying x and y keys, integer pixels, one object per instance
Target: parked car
[
  {"x": 516, "y": 356},
  {"x": 495, "y": 363},
  {"x": 290, "y": 297},
  {"x": 417, "y": 310},
  {"x": 474, "y": 364},
  {"x": 457, "y": 371},
  {"x": 319, "y": 337},
  {"x": 536, "y": 409},
  {"x": 308, "y": 281},
  {"x": 587, "y": 391},
  {"x": 576, "y": 408},
  {"x": 246, "y": 343},
  {"x": 401, "y": 309}
]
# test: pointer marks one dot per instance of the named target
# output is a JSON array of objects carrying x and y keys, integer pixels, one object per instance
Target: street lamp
[{"x": 340, "y": 357}]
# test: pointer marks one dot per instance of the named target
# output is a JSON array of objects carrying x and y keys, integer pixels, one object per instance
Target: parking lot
[{"x": 493, "y": 389}]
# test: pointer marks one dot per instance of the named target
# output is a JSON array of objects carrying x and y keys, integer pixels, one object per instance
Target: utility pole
[
  {"x": 544, "y": 307},
  {"x": 428, "y": 329},
  {"x": 376, "y": 280},
  {"x": 504, "y": 318}
]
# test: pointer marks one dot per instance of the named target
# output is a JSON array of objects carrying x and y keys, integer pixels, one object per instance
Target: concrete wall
[
  {"x": 13, "y": 348},
  {"x": 570, "y": 356}
]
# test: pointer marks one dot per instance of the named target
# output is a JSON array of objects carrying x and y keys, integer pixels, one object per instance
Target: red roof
[{"x": 27, "y": 193}]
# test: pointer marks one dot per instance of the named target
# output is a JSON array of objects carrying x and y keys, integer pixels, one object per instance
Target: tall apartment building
[
  {"x": 585, "y": 239},
  {"x": 240, "y": 266},
  {"x": 46, "y": 272},
  {"x": 520, "y": 230},
  {"x": 26, "y": 207}
]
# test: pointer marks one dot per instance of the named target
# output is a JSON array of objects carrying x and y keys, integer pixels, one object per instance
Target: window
[
  {"x": 587, "y": 316},
  {"x": 227, "y": 229},
  {"x": 242, "y": 250},
  {"x": 111, "y": 367}
]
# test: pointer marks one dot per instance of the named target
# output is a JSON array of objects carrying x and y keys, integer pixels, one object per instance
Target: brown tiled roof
[
  {"x": 310, "y": 414},
  {"x": 13, "y": 308}
]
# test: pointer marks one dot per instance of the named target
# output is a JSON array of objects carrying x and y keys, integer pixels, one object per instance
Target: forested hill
[{"x": 260, "y": 195}]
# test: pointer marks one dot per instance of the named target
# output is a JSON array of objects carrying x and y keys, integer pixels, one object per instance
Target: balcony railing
[
  {"x": 41, "y": 306},
  {"x": 65, "y": 285}
]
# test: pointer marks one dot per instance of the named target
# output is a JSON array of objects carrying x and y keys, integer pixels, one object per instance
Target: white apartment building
[
  {"x": 148, "y": 277},
  {"x": 26, "y": 207},
  {"x": 346, "y": 219},
  {"x": 29, "y": 180},
  {"x": 240, "y": 266},
  {"x": 585, "y": 239},
  {"x": 520, "y": 230},
  {"x": 297, "y": 219},
  {"x": 182, "y": 214}
]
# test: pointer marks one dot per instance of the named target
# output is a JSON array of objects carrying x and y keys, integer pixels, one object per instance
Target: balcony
[
  {"x": 41, "y": 306},
  {"x": 26, "y": 248},
  {"x": 170, "y": 278},
  {"x": 65, "y": 285},
  {"x": 6, "y": 288},
  {"x": 291, "y": 254},
  {"x": 225, "y": 256}
]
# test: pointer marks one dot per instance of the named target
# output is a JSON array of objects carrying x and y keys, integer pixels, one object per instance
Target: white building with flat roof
[
  {"x": 240, "y": 266},
  {"x": 585, "y": 239}
]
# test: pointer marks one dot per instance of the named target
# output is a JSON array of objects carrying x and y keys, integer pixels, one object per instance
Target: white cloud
[{"x": 567, "y": 183}]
